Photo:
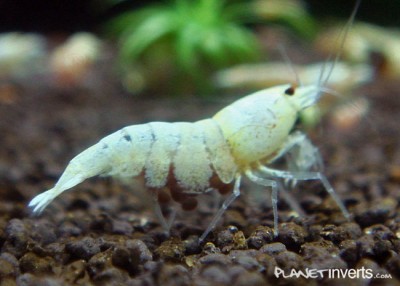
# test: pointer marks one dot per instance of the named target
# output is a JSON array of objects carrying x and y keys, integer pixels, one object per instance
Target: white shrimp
[{"x": 193, "y": 158}]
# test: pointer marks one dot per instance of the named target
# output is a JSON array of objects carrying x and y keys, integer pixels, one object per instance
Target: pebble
[
  {"x": 349, "y": 251},
  {"x": 380, "y": 231},
  {"x": 287, "y": 260},
  {"x": 273, "y": 248},
  {"x": 192, "y": 245},
  {"x": 393, "y": 264},
  {"x": 9, "y": 265},
  {"x": 322, "y": 255},
  {"x": 32, "y": 263},
  {"x": 131, "y": 255},
  {"x": 16, "y": 237},
  {"x": 83, "y": 248},
  {"x": 260, "y": 236},
  {"x": 75, "y": 271},
  {"x": 174, "y": 275},
  {"x": 250, "y": 278},
  {"x": 336, "y": 234},
  {"x": 173, "y": 249},
  {"x": 214, "y": 275},
  {"x": 247, "y": 261},
  {"x": 99, "y": 262},
  {"x": 377, "y": 213},
  {"x": 111, "y": 276},
  {"x": 210, "y": 248},
  {"x": 43, "y": 232},
  {"x": 224, "y": 238},
  {"x": 292, "y": 235},
  {"x": 215, "y": 258}
]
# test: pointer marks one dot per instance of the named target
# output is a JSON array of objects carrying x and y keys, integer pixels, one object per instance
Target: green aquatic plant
[{"x": 189, "y": 39}]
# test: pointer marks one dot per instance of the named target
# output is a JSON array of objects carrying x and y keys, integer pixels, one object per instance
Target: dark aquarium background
[{"x": 76, "y": 15}]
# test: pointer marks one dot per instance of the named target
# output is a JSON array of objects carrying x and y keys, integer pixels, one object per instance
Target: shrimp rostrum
[{"x": 192, "y": 158}]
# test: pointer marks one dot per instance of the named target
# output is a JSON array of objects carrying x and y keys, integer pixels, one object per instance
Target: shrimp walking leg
[
  {"x": 157, "y": 210},
  {"x": 305, "y": 176},
  {"x": 291, "y": 201},
  {"x": 235, "y": 193},
  {"x": 274, "y": 196}
]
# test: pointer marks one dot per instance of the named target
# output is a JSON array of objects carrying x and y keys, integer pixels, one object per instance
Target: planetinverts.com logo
[{"x": 312, "y": 273}]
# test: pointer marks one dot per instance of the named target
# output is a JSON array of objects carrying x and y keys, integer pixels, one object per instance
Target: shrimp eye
[{"x": 290, "y": 90}]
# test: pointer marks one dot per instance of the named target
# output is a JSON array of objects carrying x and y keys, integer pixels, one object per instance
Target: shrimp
[
  {"x": 193, "y": 158},
  {"x": 189, "y": 159}
]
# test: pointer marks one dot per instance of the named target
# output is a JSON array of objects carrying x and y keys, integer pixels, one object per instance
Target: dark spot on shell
[{"x": 128, "y": 138}]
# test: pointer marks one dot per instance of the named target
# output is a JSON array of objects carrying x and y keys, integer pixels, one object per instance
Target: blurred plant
[{"x": 183, "y": 41}]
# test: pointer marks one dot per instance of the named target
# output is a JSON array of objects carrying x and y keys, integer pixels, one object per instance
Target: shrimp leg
[
  {"x": 305, "y": 176},
  {"x": 235, "y": 193}
]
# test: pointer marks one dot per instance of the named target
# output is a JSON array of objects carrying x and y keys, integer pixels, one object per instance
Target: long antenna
[
  {"x": 289, "y": 63},
  {"x": 342, "y": 36}
]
